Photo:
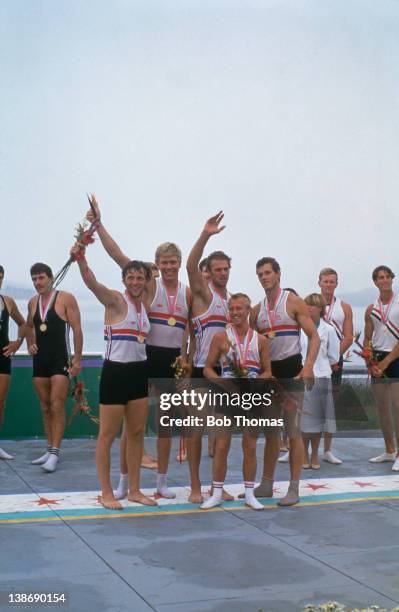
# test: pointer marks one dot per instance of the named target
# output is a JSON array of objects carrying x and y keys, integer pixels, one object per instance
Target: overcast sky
[{"x": 282, "y": 113}]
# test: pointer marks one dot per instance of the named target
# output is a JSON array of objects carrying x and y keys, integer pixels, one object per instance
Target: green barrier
[{"x": 23, "y": 417}]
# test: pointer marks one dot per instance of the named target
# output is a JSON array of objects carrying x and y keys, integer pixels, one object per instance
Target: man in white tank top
[
  {"x": 382, "y": 331},
  {"x": 123, "y": 383},
  {"x": 239, "y": 344},
  {"x": 339, "y": 315},
  {"x": 209, "y": 315},
  {"x": 167, "y": 301},
  {"x": 280, "y": 317}
]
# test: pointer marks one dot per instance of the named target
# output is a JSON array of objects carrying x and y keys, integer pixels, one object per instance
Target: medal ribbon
[
  {"x": 272, "y": 317},
  {"x": 329, "y": 309},
  {"x": 138, "y": 316},
  {"x": 243, "y": 354},
  {"x": 171, "y": 305},
  {"x": 44, "y": 308},
  {"x": 384, "y": 315}
]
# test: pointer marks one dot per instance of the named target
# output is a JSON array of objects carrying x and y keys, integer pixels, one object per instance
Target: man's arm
[
  {"x": 111, "y": 247},
  {"x": 198, "y": 286},
  {"x": 29, "y": 328},
  {"x": 16, "y": 316},
  {"x": 266, "y": 368},
  {"x": 73, "y": 317},
  {"x": 214, "y": 355},
  {"x": 347, "y": 330},
  {"x": 368, "y": 326},
  {"x": 109, "y": 244}
]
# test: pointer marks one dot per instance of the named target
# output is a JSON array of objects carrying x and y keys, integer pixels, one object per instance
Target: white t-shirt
[{"x": 329, "y": 351}]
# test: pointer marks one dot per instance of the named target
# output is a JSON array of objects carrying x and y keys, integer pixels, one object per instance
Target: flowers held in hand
[
  {"x": 81, "y": 405},
  {"x": 177, "y": 366}
]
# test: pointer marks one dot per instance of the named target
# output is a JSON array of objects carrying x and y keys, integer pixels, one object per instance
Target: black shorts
[
  {"x": 5, "y": 365},
  {"x": 392, "y": 370},
  {"x": 160, "y": 360},
  {"x": 122, "y": 382},
  {"x": 287, "y": 368},
  {"x": 46, "y": 367}
]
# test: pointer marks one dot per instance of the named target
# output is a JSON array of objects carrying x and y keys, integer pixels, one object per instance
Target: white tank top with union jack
[
  {"x": 250, "y": 359},
  {"x": 168, "y": 317},
  {"x": 385, "y": 318},
  {"x": 206, "y": 325},
  {"x": 283, "y": 332},
  {"x": 126, "y": 340}
]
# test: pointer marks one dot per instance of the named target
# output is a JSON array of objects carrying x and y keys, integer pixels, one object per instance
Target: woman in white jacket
[{"x": 318, "y": 415}]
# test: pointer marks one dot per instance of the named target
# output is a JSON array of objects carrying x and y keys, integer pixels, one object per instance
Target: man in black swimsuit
[
  {"x": 50, "y": 315},
  {"x": 8, "y": 308}
]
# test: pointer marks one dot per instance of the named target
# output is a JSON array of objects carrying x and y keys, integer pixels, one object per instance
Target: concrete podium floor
[{"x": 341, "y": 543}]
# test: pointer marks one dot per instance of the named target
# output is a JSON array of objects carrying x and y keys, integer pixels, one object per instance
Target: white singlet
[
  {"x": 162, "y": 333},
  {"x": 252, "y": 358},
  {"x": 385, "y": 335},
  {"x": 336, "y": 316},
  {"x": 206, "y": 325},
  {"x": 329, "y": 349},
  {"x": 286, "y": 341},
  {"x": 126, "y": 340}
]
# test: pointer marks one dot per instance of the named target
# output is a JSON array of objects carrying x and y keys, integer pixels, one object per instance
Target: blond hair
[
  {"x": 316, "y": 299},
  {"x": 167, "y": 249}
]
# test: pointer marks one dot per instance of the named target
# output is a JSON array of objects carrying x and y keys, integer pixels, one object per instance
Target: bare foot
[
  {"x": 181, "y": 456},
  {"x": 195, "y": 497},
  {"x": 110, "y": 503},
  {"x": 148, "y": 462},
  {"x": 140, "y": 498},
  {"x": 225, "y": 495}
]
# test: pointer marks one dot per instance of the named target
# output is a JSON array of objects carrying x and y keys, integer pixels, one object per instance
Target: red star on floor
[
  {"x": 314, "y": 487},
  {"x": 43, "y": 501},
  {"x": 365, "y": 484}
]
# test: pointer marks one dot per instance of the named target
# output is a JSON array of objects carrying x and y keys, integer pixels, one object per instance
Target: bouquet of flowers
[
  {"x": 84, "y": 236},
  {"x": 237, "y": 368},
  {"x": 177, "y": 366},
  {"x": 368, "y": 353},
  {"x": 80, "y": 403}
]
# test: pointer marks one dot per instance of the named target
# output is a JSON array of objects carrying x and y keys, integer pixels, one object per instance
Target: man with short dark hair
[
  {"x": 280, "y": 317},
  {"x": 167, "y": 301},
  {"x": 209, "y": 315},
  {"x": 8, "y": 308},
  {"x": 382, "y": 334},
  {"x": 50, "y": 315},
  {"x": 124, "y": 376}
]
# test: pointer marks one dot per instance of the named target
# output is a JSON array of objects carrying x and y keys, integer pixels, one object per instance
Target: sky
[{"x": 282, "y": 113}]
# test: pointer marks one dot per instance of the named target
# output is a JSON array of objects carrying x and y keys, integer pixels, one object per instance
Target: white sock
[
  {"x": 4, "y": 455},
  {"x": 42, "y": 458},
  {"x": 51, "y": 462},
  {"x": 250, "y": 498},
  {"x": 162, "y": 486},
  {"x": 216, "y": 497},
  {"x": 123, "y": 486}
]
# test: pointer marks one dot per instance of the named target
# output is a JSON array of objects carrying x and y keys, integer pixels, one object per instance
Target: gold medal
[
  {"x": 140, "y": 338},
  {"x": 172, "y": 321},
  {"x": 271, "y": 335},
  {"x": 43, "y": 327}
]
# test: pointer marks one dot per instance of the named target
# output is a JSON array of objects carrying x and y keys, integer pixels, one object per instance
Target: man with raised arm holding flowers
[
  {"x": 167, "y": 301},
  {"x": 241, "y": 353},
  {"x": 381, "y": 347},
  {"x": 124, "y": 377}
]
